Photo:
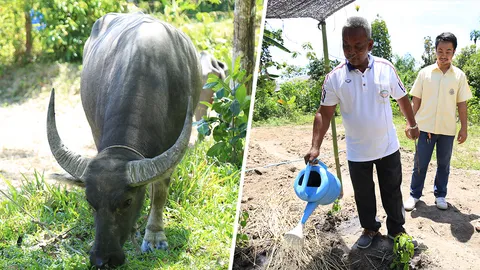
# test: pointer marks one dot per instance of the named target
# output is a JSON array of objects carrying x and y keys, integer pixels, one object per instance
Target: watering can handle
[{"x": 307, "y": 172}]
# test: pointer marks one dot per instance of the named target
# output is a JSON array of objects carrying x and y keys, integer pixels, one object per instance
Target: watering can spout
[{"x": 311, "y": 206}]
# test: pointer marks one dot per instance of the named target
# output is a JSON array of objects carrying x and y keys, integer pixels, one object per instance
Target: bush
[
  {"x": 229, "y": 127},
  {"x": 473, "y": 110},
  {"x": 69, "y": 23}
]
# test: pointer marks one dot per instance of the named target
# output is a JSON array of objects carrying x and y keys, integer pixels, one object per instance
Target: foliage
[
  {"x": 270, "y": 38},
  {"x": 406, "y": 70},
  {"x": 336, "y": 207},
  {"x": 198, "y": 192},
  {"x": 381, "y": 38},
  {"x": 69, "y": 24},
  {"x": 316, "y": 66},
  {"x": 186, "y": 8},
  {"x": 292, "y": 71},
  {"x": 474, "y": 35},
  {"x": 463, "y": 56},
  {"x": 403, "y": 250},
  {"x": 229, "y": 127},
  {"x": 13, "y": 47},
  {"x": 429, "y": 57},
  {"x": 242, "y": 238},
  {"x": 469, "y": 61}
]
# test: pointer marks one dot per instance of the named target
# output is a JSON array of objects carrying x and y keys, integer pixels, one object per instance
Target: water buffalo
[{"x": 140, "y": 83}]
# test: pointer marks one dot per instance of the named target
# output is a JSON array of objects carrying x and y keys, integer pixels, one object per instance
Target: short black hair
[{"x": 446, "y": 37}]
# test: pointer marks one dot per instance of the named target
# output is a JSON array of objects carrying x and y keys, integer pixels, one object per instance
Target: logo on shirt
[
  {"x": 384, "y": 93},
  {"x": 452, "y": 91},
  {"x": 348, "y": 80}
]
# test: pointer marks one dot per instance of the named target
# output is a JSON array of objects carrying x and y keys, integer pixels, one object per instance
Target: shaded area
[
  {"x": 18, "y": 84},
  {"x": 460, "y": 223}
]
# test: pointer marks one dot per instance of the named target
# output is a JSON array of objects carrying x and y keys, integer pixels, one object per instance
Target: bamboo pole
[{"x": 334, "y": 127}]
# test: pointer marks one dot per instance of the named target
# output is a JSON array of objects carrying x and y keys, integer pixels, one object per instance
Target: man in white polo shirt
[
  {"x": 363, "y": 85},
  {"x": 437, "y": 92}
]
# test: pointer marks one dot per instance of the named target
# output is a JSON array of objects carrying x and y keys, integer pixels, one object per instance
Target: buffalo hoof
[{"x": 148, "y": 247}]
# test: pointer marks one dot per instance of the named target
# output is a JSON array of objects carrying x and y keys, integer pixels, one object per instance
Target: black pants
[{"x": 389, "y": 171}]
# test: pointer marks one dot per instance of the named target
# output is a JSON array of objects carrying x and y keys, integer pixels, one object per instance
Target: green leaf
[
  {"x": 273, "y": 42},
  {"x": 210, "y": 85},
  {"x": 203, "y": 128},
  {"x": 219, "y": 132},
  {"x": 241, "y": 93},
  {"x": 208, "y": 104},
  {"x": 235, "y": 107},
  {"x": 220, "y": 93},
  {"x": 216, "y": 149}
]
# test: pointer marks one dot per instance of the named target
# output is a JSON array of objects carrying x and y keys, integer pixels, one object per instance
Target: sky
[{"x": 408, "y": 22}]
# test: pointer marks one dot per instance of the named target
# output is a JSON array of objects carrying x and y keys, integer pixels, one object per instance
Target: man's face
[
  {"x": 445, "y": 52},
  {"x": 356, "y": 46}
]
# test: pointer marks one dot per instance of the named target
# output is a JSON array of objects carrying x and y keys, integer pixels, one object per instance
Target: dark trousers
[
  {"x": 389, "y": 171},
  {"x": 423, "y": 155}
]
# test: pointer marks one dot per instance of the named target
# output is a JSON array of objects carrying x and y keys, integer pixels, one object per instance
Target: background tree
[
  {"x": 244, "y": 36},
  {"x": 428, "y": 56},
  {"x": 271, "y": 38},
  {"x": 462, "y": 57},
  {"x": 381, "y": 38},
  {"x": 474, "y": 35},
  {"x": 406, "y": 70}
]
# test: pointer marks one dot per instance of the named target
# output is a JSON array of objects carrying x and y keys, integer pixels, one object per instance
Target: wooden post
[{"x": 334, "y": 127}]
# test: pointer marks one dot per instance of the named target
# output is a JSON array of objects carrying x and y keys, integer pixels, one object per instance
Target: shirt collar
[
  {"x": 370, "y": 63},
  {"x": 450, "y": 69}
]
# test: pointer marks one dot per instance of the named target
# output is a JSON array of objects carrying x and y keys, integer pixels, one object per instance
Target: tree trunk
[
  {"x": 244, "y": 36},
  {"x": 28, "y": 36}
]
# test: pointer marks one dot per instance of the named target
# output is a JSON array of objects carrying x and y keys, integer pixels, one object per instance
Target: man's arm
[
  {"x": 416, "y": 104},
  {"x": 411, "y": 130},
  {"x": 462, "y": 114},
  {"x": 321, "y": 125}
]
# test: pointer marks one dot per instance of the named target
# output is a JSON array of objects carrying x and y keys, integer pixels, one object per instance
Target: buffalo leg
[{"x": 154, "y": 233}]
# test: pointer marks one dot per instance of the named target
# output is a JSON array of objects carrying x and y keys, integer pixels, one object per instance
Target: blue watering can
[{"x": 315, "y": 185}]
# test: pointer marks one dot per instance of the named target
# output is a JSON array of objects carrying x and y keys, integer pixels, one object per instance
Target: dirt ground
[
  {"x": 448, "y": 239},
  {"x": 23, "y": 137}
]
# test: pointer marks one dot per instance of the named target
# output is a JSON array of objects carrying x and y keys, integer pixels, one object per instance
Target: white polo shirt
[{"x": 364, "y": 100}]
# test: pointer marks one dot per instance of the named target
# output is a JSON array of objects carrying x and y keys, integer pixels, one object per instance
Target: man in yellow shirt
[{"x": 438, "y": 90}]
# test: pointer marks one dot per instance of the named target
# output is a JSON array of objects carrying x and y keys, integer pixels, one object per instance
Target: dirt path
[
  {"x": 23, "y": 138},
  {"x": 448, "y": 239}
]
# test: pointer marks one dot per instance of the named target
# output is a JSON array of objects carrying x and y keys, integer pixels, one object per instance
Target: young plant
[
  {"x": 336, "y": 207},
  {"x": 229, "y": 125},
  {"x": 242, "y": 238},
  {"x": 403, "y": 250}
]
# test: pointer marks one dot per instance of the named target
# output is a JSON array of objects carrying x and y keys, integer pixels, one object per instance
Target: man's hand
[
  {"x": 311, "y": 155},
  {"x": 462, "y": 135},
  {"x": 412, "y": 134}
]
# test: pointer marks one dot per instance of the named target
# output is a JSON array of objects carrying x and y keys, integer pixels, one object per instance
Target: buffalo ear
[{"x": 67, "y": 179}]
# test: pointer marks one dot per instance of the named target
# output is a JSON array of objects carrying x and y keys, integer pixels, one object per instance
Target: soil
[{"x": 447, "y": 239}]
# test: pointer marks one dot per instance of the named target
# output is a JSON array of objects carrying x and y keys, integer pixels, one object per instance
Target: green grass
[
  {"x": 300, "y": 119},
  {"x": 199, "y": 219},
  {"x": 465, "y": 156}
]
